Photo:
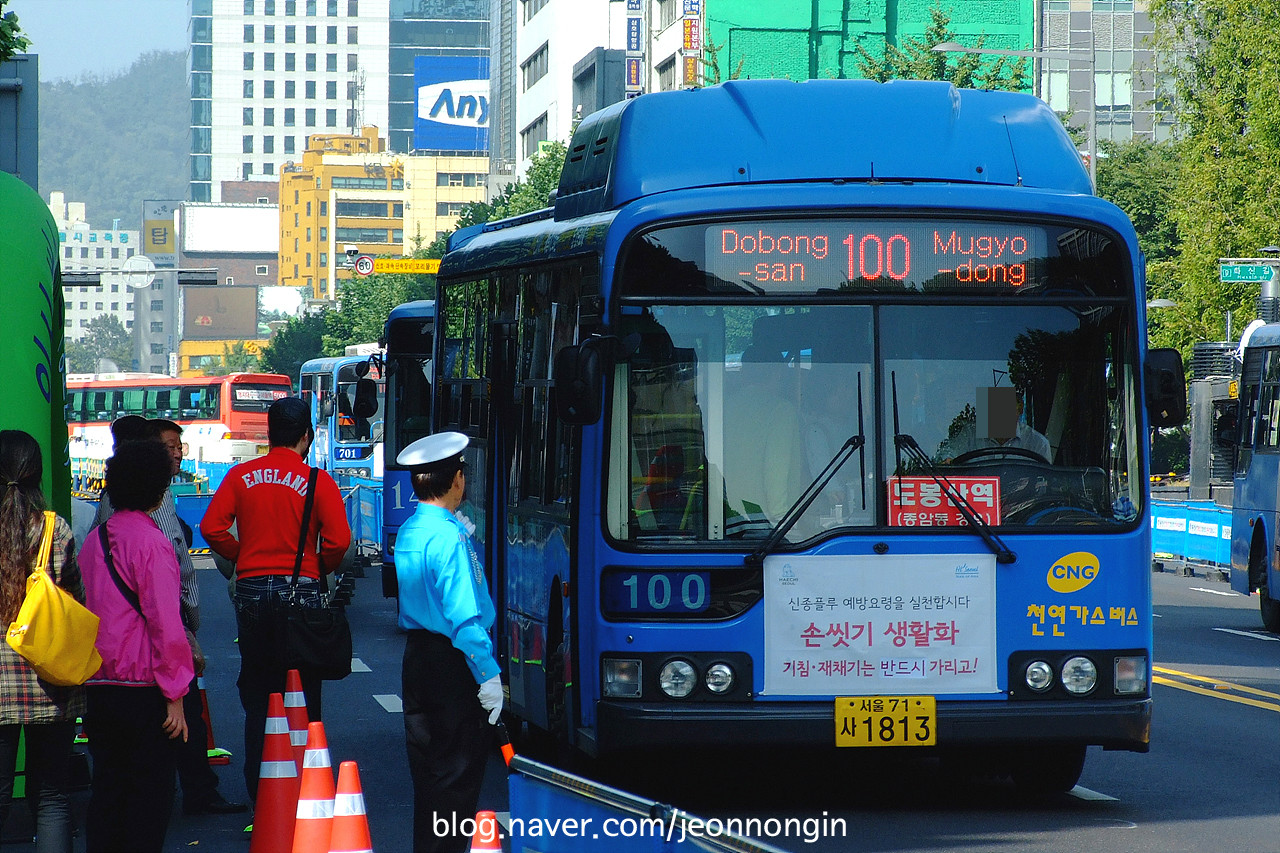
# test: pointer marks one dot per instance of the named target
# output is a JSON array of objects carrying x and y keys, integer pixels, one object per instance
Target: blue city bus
[
  {"x": 407, "y": 338},
  {"x": 1255, "y": 435},
  {"x": 345, "y": 394},
  {"x": 815, "y": 415}
]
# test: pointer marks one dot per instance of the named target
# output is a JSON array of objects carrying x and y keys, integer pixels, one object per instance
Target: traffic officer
[
  {"x": 264, "y": 498},
  {"x": 451, "y": 686}
]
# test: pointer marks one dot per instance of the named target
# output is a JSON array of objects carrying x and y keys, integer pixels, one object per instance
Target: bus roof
[
  {"x": 416, "y": 310},
  {"x": 330, "y": 362},
  {"x": 83, "y": 380},
  {"x": 766, "y": 131}
]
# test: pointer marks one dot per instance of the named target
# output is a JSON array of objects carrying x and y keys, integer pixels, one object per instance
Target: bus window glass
[
  {"x": 725, "y": 414},
  {"x": 1069, "y": 456}
]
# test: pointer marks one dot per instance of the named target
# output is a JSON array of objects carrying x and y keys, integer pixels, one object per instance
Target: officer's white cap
[{"x": 443, "y": 447}]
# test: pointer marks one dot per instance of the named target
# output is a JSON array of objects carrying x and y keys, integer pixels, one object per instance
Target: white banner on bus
[{"x": 893, "y": 624}]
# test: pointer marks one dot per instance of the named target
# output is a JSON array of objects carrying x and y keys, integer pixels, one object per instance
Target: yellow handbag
[{"x": 53, "y": 631}]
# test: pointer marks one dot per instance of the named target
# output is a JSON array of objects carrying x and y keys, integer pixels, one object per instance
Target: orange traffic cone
[
  {"x": 276, "y": 806},
  {"x": 216, "y": 755},
  {"x": 295, "y": 708},
  {"x": 314, "y": 823},
  {"x": 350, "y": 825},
  {"x": 485, "y": 838}
]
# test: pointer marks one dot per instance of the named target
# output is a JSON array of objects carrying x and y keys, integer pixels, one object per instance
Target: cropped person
[
  {"x": 1019, "y": 435},
  {"x": 199, "y": 782},
  {"x": 47, "y": 712},
  {"x": 135, "y": 701},
  {"x": 451, "y": 681},
  {"x": 264, "y": 499}
]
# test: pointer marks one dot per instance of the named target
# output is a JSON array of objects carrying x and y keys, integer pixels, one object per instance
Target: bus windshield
[{"x": 724, "y": 411}]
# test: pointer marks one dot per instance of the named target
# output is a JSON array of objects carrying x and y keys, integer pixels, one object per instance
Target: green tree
[
  {"x": 1228, "y": 180},
  {"x": 1141, "y": 178},
  {"x": 237, "y": 358},
  {"x": 915, "y": 59},
  {"x": 365, "y": 304},
  {"x": 105, "y": 340},
  {"x": 525, "y": 195},
  {"x": 297, "y": 342},
  {"x": 11, "y": 38}
]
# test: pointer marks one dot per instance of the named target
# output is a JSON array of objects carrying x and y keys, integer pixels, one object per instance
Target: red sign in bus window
[{"x": 924, "y": 502}]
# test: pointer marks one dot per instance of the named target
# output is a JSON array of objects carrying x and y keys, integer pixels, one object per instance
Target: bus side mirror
[
  {"x": 326, "y": 408},
  {"x": 578, "y": 376},
  {"x": 1166, "y": 388},
  {"x": 366, "y": 404}
]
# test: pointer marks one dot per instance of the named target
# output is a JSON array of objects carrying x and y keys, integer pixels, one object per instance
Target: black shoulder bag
[{"x": 317, "y": 638}]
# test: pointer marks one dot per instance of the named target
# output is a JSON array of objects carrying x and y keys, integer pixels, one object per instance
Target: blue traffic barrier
[{"x": 1195, "y": 531}]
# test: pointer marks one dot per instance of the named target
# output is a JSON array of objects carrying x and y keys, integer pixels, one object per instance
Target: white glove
[{"x": 490, "y": 695}]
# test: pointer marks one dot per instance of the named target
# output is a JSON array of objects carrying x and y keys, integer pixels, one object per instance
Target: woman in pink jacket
[{"x": 134, "y": 713}]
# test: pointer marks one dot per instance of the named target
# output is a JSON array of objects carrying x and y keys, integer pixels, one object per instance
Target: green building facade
[{"x": 814, "y": 39}]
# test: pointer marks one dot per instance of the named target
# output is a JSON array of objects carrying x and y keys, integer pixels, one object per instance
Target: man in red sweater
[{"x": 264, "y": 499}]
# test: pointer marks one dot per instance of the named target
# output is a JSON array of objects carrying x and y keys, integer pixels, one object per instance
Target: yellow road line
[{"x": 1240, "y": 687}]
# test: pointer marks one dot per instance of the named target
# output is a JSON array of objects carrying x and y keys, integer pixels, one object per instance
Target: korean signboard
[
  {"x": 159, "y": 240},
  {"x": 923, "y": 502},
  {"x": 452, "y": 103},
  {"x": 885, "y": 625}
]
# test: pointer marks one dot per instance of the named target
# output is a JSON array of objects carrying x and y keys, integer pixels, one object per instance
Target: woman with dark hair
[
  {"x": 48, "y": 712},
  {"x": 134, "y": 711}
]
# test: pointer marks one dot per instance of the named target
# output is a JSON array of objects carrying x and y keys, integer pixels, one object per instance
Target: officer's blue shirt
[{"x": 442, "y": 586}]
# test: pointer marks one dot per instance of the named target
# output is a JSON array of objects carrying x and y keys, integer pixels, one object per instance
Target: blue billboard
[{"x": 452, "y": 103}]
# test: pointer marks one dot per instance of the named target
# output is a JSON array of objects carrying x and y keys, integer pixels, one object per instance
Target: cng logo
[{"x": 1073, "y": 572}]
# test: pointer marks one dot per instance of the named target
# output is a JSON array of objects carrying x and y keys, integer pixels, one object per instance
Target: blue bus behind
[
  {"x": 1255, "y": 503},
  {"x": 408, "y": 337},
  {"x": 345, "y": 394},
  {"x": 815, "y": 414}
]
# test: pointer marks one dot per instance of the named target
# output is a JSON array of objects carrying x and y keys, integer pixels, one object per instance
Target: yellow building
[
  {"x": 196, "y": 358},
  {"x": 350, "y": 196}
]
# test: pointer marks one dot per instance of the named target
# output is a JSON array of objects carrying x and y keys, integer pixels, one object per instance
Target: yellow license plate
[{"x": 886, "y": 721}]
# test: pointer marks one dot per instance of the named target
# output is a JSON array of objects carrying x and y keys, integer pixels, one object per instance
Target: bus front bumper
[{"x": 1123, "y": 725}]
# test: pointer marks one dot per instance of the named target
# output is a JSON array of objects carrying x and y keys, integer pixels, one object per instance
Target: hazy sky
[{"x": 104, "y": 37}]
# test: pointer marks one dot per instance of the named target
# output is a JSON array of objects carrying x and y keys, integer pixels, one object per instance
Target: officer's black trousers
[{"x": 448, "y": 737}]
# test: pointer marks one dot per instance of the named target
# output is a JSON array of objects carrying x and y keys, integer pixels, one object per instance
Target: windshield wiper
[
  {"x": 811, "y": 492},
  {"x": 905, "y": 442}
]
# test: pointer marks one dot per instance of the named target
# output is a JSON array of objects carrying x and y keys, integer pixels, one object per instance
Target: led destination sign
[{"x": 804, "y": 255}]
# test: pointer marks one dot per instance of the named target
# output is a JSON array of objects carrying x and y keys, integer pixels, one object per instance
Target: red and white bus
[{"x": 223, "y": 418}]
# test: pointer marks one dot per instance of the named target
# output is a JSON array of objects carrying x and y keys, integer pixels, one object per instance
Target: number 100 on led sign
[{"x": 805, "y": 255}]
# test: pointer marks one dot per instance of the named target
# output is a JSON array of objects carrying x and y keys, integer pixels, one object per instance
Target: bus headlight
[
  {"x": 719, "y": 678},
  {"x": 1039, "y": 676},
  {"x": 622, "y": 678},
  {"x": 1131, "y": 674},
  {"x": 1079, "y": 675},
  {"x": 677, "y": 678}
]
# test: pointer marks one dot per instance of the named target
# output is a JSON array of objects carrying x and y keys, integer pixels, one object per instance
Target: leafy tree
[
  {"x": 366, "y": 302},
  {"x": 237, "y": 358},
  {"x": 1228, "y": 180},
  {"x": 105, "y": 339},
  {"x": 297, "y": 342},
  {"x": 11, "y": 38},
  {"x": 1141, "y": 178},
  {"x": 916, "y": 60}
]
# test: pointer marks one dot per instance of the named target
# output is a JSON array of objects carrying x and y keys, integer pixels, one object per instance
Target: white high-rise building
[{"x": 265, "y": 74}]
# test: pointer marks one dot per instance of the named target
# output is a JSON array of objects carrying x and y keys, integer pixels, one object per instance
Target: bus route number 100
[{"x": 629, "y": 593}]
